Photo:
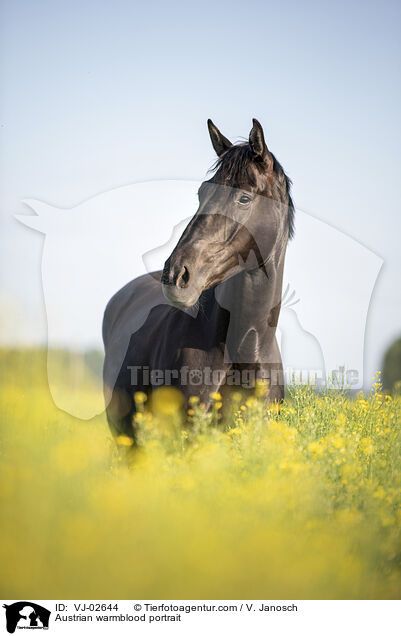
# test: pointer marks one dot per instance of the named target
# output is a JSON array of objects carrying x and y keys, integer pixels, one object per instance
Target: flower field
[{"x": 304, "y": 503}]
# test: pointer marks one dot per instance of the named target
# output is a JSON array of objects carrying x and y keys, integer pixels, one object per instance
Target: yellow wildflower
[
  {"x": 140, "y": 397},
  {"x": 167, "y": 400},
  {"x": 124, "y": 440},
  {"x": 215, "y": 396}
]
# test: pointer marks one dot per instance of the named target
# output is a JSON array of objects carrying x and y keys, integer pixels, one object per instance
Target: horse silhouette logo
[
  {"x": 101, "y": 244},
  {"x": 26, "y": 615},
  {"x": 302, "y": 353}
]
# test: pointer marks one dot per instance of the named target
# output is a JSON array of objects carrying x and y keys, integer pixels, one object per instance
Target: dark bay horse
[{"x": 209, "y": 319}]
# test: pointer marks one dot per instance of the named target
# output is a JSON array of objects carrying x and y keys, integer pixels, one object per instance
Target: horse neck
[{"x": 253, "y": 299}]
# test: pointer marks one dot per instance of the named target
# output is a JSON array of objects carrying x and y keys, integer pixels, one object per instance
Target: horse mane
[{"x": 233, "y": 166}]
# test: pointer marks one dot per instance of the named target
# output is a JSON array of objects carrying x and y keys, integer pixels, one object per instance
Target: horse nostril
[{"x": 182, "y": 279}]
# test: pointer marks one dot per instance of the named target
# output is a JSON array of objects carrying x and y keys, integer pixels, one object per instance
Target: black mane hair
[{"x": 233, "y": 166}]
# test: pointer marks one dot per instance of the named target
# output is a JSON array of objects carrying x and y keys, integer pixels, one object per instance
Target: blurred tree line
[
  {"x": 30, "y": 364},
  {"x": 392, "y": 368}
]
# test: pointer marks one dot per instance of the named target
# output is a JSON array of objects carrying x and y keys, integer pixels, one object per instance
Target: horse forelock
[{"x": 237, "y": 168}]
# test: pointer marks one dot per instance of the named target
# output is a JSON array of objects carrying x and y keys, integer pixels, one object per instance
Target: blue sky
[{"x": 101, "y": 94}]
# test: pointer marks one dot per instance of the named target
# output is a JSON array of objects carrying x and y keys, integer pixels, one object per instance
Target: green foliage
[{"x": 392, "y": 368}]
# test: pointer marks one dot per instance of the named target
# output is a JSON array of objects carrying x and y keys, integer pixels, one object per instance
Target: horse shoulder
[{"x": 131, "y": 305}]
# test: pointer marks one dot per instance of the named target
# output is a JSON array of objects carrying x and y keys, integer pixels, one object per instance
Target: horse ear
[
  {"x": 258, "y": 144},
  {"x": 219, "y": 142}
]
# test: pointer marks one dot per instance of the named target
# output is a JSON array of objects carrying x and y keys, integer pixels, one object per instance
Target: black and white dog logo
[{"x": 26, "y": 615}]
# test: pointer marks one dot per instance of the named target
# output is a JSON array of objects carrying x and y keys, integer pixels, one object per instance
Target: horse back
[{"x": 130, "y": 306}]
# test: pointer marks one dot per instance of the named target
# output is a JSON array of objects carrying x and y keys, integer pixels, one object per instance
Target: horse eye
[{"x": 244, "y": 199}]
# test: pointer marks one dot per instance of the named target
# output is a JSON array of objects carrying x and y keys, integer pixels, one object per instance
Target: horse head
[{"x": 244, "y": 219}]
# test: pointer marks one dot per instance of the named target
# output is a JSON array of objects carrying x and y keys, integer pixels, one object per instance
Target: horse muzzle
[{"x": 179, "y": 286}]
